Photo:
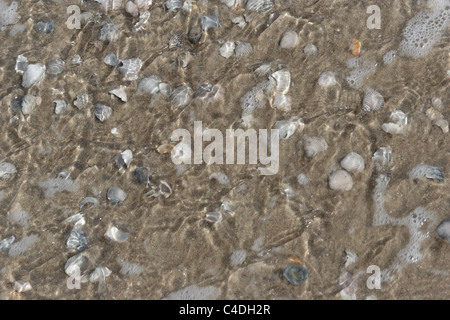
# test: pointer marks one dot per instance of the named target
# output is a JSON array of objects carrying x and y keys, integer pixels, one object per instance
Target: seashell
[
  {"x": 430, "y": 172},
  {"x": 143, "y": 4},
  {"x": 143, "y": 18},
  {"x": 187, "y": 6},
  {"x": 433, "y": 114},
  {"x": 22, "y": 286},
  {"x": 60, "y": 106},
  {"x": 150, "y": 84},
  {"x": 372, "y": 101},
  {"x": 195, "y": 34},
  {"x": 184, "y": 59},
  {"x": 77, "y": 59},
  {"x": 77, "y": 220},
  {"x": 209, "y": 22},
  {"x": 45, "y": 25},
  {"x": 55, "y": 67},
  {"x": 283, "y": 81},
  {"x": 350, "y": 258},
  {"x": 110, "y": 4},
  {"x": 91, "y": 200},
  {"x": 340, "y": 180},
  {"x": 77, "y": 240},
  {"x": 115, "y": 195},
  {"x": 33, "y": 75},
  {"x": 227, "y": 206},
  {"x": 263, "y": 70},
  {"x": 383, "y": 155},
  {"x": 295, "y": 274},
  {"x": 21, "y": 64},
  {"x": 28, "y": 103},
  {"x": 164, "y": 88},
  {"x": 242, "y": 49},
  {"x": 289, "y": 40},
  {"x": 314, "y": 145},
  {"x": 204, "y": 90},
  {"x": 355, "y": 47},
  {"x": 399, "y": 117},
  {"x": 213, "y": 217},
  {"x": 102, "y": 112},
  {"x": 259, "y": 5},
  {"x": 353, "y": 162},
  {"x": 6, "y": 243},
  {"x": 16, "y": 105},
  {"x": 302, "y": 179},
  {"x": 132, "y": 8},
  {"x": 124, "y": 159},
  {"x": 143, "y": 175},
  {"x": 165, "y": 189},
  {"x": 7, "y": 169},
  {"x": 240, "y": 21},
  {"x": 63, "y": 174},
  {"x": 181, "y": 96},
  {"x": 109, "y": 32},
  {"x": 443, "y": 229},
  {"x": 310, "y": 50},
  {"x": 111, "y": 60},
  {"x": 173, "y": 5},
  {"x": 175, "y": 40},
  {"x": 400, "y": 120},
  {"x": 81, "y": 101},
  {"x": 435, "y": 102},
  {"x": 441, "y": 123},
  {"x": 392, "y": 128},
  {"x": 120, "y": 93},
  {"x": 76, "y": 265},
  {"x": 130, "y": 68},
  {"x": 327, "y": 79},
  {"x": 99, "y": 274},
  {"x": 256, "y": 97},
  {"x": 116, "y": 235},
  {"x": 227, "y": 49},
  {"x": 288, "y": 127}
]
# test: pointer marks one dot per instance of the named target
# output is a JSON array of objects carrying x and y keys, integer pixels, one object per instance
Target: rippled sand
[{"x": 172, "y": 244}]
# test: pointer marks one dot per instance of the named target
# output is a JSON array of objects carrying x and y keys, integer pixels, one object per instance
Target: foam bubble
[{"x": 195, "y": 293}]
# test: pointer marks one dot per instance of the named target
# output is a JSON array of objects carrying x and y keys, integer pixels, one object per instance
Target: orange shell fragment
[
  {"x": 295, "y": 261},
  {"x": 356, "y": 47}
]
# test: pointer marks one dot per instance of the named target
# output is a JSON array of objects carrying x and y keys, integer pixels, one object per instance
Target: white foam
[
  {"x": 52, "y": 186},
  {"x": 23, "y": 245},
  {"x": 18, "y": 216},
  {"x": 195, "y": 293},
  {"x": 8, "y": 14},
  {"x": 131, "y": 269},
  {"x": 360, "y": 68}
]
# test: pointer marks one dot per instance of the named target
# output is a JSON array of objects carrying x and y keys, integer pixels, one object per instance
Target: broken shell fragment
[
  {"x": 340, "y": 180},
  {"x": 120, "y": 93},
  {"x": 76, "y": 265},
  {"x": 181, "y": 96},
  {"x": 115, "y": 195},
  {"x": 150, "y": 84},
  {"x": 242, "y": 49},
  {"x": 213, "y": 217},
  {"x": 288, "y": 127},
  {"x": 165, "y": 189},
  {"x": 60, "y": 106},
  {"x": 22, "y": 286},
  {"x": 116, "y": 235},
  {"x": 102, "y": 112},
  {"x": 314, "y": 145},
  {"x": 55, "y": 67},
  {"x": 130, "y": 68},
  {"x": 124, "y": 159},
  {"x": 81, "y": 101},
  {"x": 227, "y": 49},
  {"x": 289, "y": 40},
  {"x": 373, "y": 100}
]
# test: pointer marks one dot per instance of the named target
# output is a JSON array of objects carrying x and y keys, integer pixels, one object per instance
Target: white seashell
[
  {"x": 400, "y": 120},
  {"x": 164, "y": 88},
  {"x": 289, "y": 40},
  {"x": 28, "y": 103},
  {"x": 399, "y": 117},
  {"x": 116, "y": 195},
  {"x": 150, "y": 84},
  {"x": 60, "y": 106},
  {"x": 116, "y": 235},
  {"x": 143, "y": 18},
  {"x": 259, "y": 5},
  {"x": 373, "y": 100},
  {"x": 76, "y": 265},
  {"x": 282, "y": 101},
  {"x": 240, "y": 21},
  {"x": 132, "y": 8},
  {"x": 102, "y": 112},
  {"x": 181, "y": 96},
  {"x": 124, "y": 159},
  {"x": 120, "y": 93},
  {"x": 91, "y": 200},
  {"x": 227, "y": 49},
  {"x": 77, "y": 59},
  {"x": 314, "y": 145},
  {"x": 165, "y": 189},
  {"x": 21, "y": 64},
  {"x": 283, "y": 81},
  {"x": 441, "y": 123},
  {"x": 263, "y": 70},
  {"x": 242, "y": 49},
  {"x": 111, "y": 60},
  {"x": 425, "y": 170},
  {"x": 327, "y": 79},
  {"x": 143, "y": 4},
  {"x": 99, "y": 274},
  {"x": 209, "y": 22},
  {"x": 392, "y": 128},
  {"x": 256, "y": 97},
  {"x": 187, "y": 6},
  {"x": 55, "y": 67},
  {"x": 109, "y": 32},
  {"x": 288, "y": 127},
  {"x": 310, "y": 50},
  {"x": 383, "y": 155},
  {"x": 443, "y": 229},
  {"x": 130, "y": 68},
  {"x": 33, "y": 75},
  {"x": 6, "y": 243},
  {"x": 22, "y": 286},
  {"x": 173, "y": 5},
  {"x": 213, "y": 217},
  {"x": 77, "y": 220},
  {"x": 435, "y": 102},
  {"x": 77, "y": 240},
  {"x": 81, "y": 101},
  {"x": 340, "y": 180},
  {"x": 353, "y": 162}
]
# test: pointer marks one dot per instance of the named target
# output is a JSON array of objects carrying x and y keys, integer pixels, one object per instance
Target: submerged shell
[
  {"x": 164, "y": 89},
  {"x": 353, "y": 162},
  {"x": 443, "y": 230},
  {"x": 55, "y": 67},
  {"x": 124, "y": 159},
  {"x": 77, "y": 240},
  {"x": 109, "y": 32},
  {"x": 6, "y": 170},
  {"x": 310, "y": 50},
  {"x": 28, "y": 103},
  {"x": 130, "y": 68},
  {"x": 204, "y": 90},
  {"x": 213, "y": 217},
  {"x": 425, "y": 170},
  {"x": 76, "y": 220},
  {"x": 373, "y": 100},
  {"x": 111, "y": 60},
  {"x": 22, "y": 286},
  {"x": 295, "y": 274},
  {"x": 441, "y": 123},
  {"x": 165, "y": 189},
  {"x": 209, "y": 22},
  {"x": 77, "y": 264},
  {"x": 242, "y": 49},
  {"x": 99, "y": 274},
  {"x": 116, "y": 235},
  {"x": 143, "y": 175},
  {"x": 173, "y": 5},
  {"x": 102, "y": 112},
  {"x": 116, "y": 195},
  {"x": 6, "y": 243},
  {"x": 383, "y": 155},
  {"x": 60, "y": 106},
  {"x": 195, "y": 34},
  {"x": 33, "y": 75},
  {"x": 21, "y": 64},
  {"x": 340, "y": 180},
  {"x": 399, "y": 117},
  {"x": 120, "y": 93},
  {"x": 288, "y": 127},
  {"x": 81, "y": 101},
  {"x": 314, "y": 145},
  {"x": 77, "y": 59},
  {"x": 259, "y": 5},
  {"x": 227, "y": 49},
  {"x": 150, "y": 84},
  {"x": 181, "y": 96},
  {"x": 91, "y": 200},
  {"x": 327, "y": 79},
  {"x": 143, "y": 4},
  {"x": 175, "y": 40},
  {"x": 132, "y": 8},
  {"x": 289, "y": 40},
  {"x": 283, "y": 81},
  {"x": 45, "y": 25}
]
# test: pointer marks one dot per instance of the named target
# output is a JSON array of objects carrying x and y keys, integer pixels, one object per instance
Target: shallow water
[{"x": 171, "y": 243}]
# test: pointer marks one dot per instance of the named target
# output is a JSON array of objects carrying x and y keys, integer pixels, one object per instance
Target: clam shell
[
  {"x": 130, "y": 68},
  {"x": 340, "y": 180},
  {"x": 124, "y": 159},
  {"x": 372, "y": 101},
  {"x": 314, "y": 145},
  {"x": 77, "y": 59},
  {"x": 353, "y": 162},
  {"x": 150, "y": 84},
  {"x": 181, "y": 96},
  {"x": 430, "y": 172},
  {"x": 77, "y": 240},
  {"x": 22, "y": 286},
  {"x": 441, "y": 123},
  {"x": 242, "y": 49},
  {"x": 259, "y": 5},
  {"x": 55, "y": 67},
  {"x": 288, "y": 127},
  {"x": 209, "y": 22},
  {"x": 327, "y": 79},
  {"x": 28, "y": 103},
  {"x": 165, "y": 189},
  {"x": 165, "y": 89},
  {"x": 91, "y": 200},
  {"x": 99, "y": 274},
  {"x": 173, "y": 5},
  {"x": 227, "y": 49},
  {"x": 310, "y": 50},
  {"x": 116, "y": 235},
  {"x": 283, "y": 81},
  {"x": 6, "y": 243},
  {"x": 383, "y": 155}
]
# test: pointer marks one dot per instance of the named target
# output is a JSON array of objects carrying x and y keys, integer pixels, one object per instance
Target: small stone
[
  {"x": 238, "y": 257},
  {"x": 132, "y": 9},
  {"x": 289, "y": 40},
  {"x": 77, "y": 240},
  {"x": 310, "y": 50},
  {"x": 340, "y": 180},
  {"x": 295, "y": 274},
  {"x": 33, "y": 75},
  {"x": 173, "y": 5},
  {"x": 102, "y": 112},
  {"x": 22, "y": 286},
  {"x": 143, "y": 175},
  {"x": 213, "y": 217},
  {"x": 60, "y": 106},
  {"x": 164, "y": 89},
  {"x": 443, "y": 230},
  {"x": 302, "y": 179},
  {"x": 116, "y": 195},
  {"x": 353, "y": 162},
  {"x": 195, "y": 34},
  {"x": 441, "y": 123},
  {"x": 111, "y": 60},
  {"x": 327, "y": 79},
  {"x": 6, "y": 170},
  {"x": 16, "y": 105},
  {"x": 21, "y": 64},
  {"x": 227, "y": 206},
  {"x": 175, "y": 40},
  {"x": 437, "y": 103},
  {"x": 45, "y": 25}
]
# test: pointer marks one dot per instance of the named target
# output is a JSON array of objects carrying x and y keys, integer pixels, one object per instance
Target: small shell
[
  {"x": 435, "y": 102},
  {"x": 33, "y": 75},
  {"x": 213, "y": 217},
  {"x": 45, "y": 25},
  {"x": 6, "y": 243},
  {"x": 120, "y": 93},
  {"x": 314, "y": 145},
  {"x": 433, "y": 114},
  {"x": 132, "y": 8},
  {"x": 111, "y": 60},
  {"x": 259, "y": 5},
  {"x": 383, "y": 155},
  {"x": 99, "y": 274},
  {"x": 327, "y": 79},
  {"x": 116, "y": 195},
  {"x": 77, "y": 59},
  {"x": 109, "y": 33},
  {"x": 289, "y": 40},
  {"x": 77, "y": 240},
  {"x": 22, "y": 286},
  {"x": 355, "y": 47},
  {"x": 60, "y": 106},
  {"x": 340, "y": 180},
  {"x": 430, "y": 172},
  {"x": 21, "y": 64},
  {"x": 288, "y": 127},
  {"x": 55, "y": 67},
  {"x": 209, "y": 22},
  {"x": 81, "y": 101},
  {"x": 130, "y": 68},
  {"x": 441, "y": 123},
  {"x": 399, "y": 117},
  {"x": 175, "y": 40},
  {"x": 227, "y": 49},
  {"x": 116, "y": 235},
  {"x": 102, "y": 112},
  {"x": 184, "y": 59},
  {"x": 242, "y": 49},
  {"x": 392, "y": 128},
  {"x": 181, "y": 96},
  {"x": 124, "y": 159},
  {"x": 443, "y": 230},
  {"x": 28, "y": 103},
  {"x": 302, "y": 179},
  {"x": 77, "y": 264},
  {"x": 165, "y": 89},
  {"x": 150, "y": 84},
  {"x": 165, "y": 189},
  {"x": 283, "y": 81},
  {"x": 240, "y": 21},
  {"x": 195, "y": 34},
  {"x": 204, "y": 90},
  {"x": 143, "y": 175},
  {"x": 295, "y": 274},
  {"x": 310, "y": 50},
  {"x": 373, "y": 100},
  {"x": 353, "y": 162},
  {"x": 173, "y": 5},
  {"x": 91, "y": 200},
  {"x": 76, "y": 220}
]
